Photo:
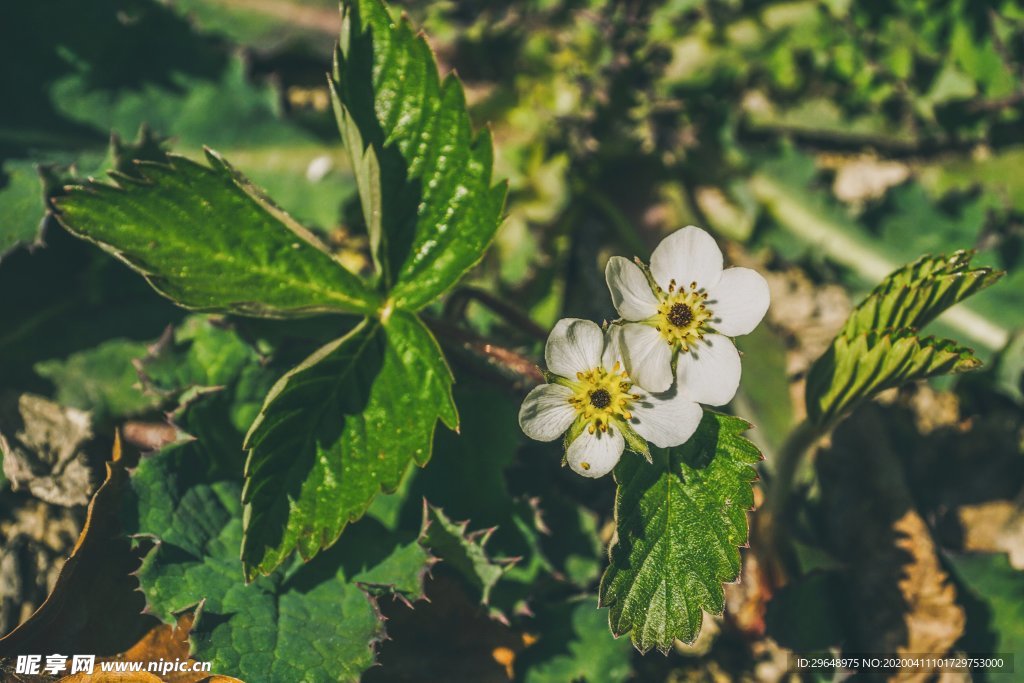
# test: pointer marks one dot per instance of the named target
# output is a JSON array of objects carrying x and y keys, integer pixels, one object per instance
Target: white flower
[
  {"x": 592, "y": 400},
  {"x": 685, "y": 307}
]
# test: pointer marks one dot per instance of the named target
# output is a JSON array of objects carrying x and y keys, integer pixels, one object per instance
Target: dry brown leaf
[
  {"x": 864, "y": 178},
  {"x": 168, "y": 643},
  {"x": 94, "y": 606},
  {"x": 43, "y": 447},
  {"x": 112, "y": 677},
  {"x": 994, "y": 526}
]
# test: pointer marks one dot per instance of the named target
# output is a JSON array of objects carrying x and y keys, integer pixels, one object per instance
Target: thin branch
[
  {"x": 455, "y": 309},
  {"x": 511, "y": 367}
]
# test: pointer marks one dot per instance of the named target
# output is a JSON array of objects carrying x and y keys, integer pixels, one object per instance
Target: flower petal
[
  {"x": 631, "y": 293},
  {"x": 648, "y": 357},
  {"x": 574, "y": 346},
  {"x": 710, "y": 372},
  {"x": 687, "y": 255},
  {"x": 666, "y": 419},
  {"x": 739, "y": 301},
  {"x": 595, "y": 455},
  {"x": 546, "y": 412}
]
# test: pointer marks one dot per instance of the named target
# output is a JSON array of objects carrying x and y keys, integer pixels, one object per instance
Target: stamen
[{"x": 585, "y": 466}]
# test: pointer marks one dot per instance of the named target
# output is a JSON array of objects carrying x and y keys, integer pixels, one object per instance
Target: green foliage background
[{"x": 827, "y": 143}]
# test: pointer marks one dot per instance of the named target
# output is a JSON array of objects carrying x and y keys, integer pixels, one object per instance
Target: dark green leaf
[
  {"x": 575, "y": 646},
  {"x": 315, "y": 622},
  {"x": 207, "y": 239},
  {"x": 803, "y": 617},
  {"x": 335, "y": 431},
  {"x": 464, "y": 550},
  {"x": 679, "y": 523},
  {"x": 424, "y": 177},
  {"x": 102, "y": 380},
  {"x": 999, "y": 590}
]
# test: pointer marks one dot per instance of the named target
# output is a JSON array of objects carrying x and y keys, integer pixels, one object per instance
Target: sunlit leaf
[
  {"x": 679, "y": 523},
  {"x": 209, "y": 240},
  {"x": 334, "y": 431},
  {"x": 424, "y": 177},
  {"x": 879, "y": 346}
]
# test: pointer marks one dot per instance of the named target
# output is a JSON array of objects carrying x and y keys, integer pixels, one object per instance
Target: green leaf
[
  {"x": 424, "y": 178},
  {"x": 853, "y": 370},
  {"x": 575, "y": 646},
  {"x": 314, "y": 622},
  {"x": 200, "y": 353},
  {"x": 998, "y": 589},
  {"x": 335, "y": 431},
  {"x": 679, "y": 522},
  {"x": 21, "y": 205},
  {"x": 464, "y": 551},
  {"x": 102, "y": 380},
  {"x": 879, "y": 348},
  {"x": 209, "y": 240},
  {"x": 918, "y": 292}
]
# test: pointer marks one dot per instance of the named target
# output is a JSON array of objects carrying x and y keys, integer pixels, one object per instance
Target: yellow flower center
[
  {"x": 600, "y": 396},
  {"x": 682, "y": 315}
]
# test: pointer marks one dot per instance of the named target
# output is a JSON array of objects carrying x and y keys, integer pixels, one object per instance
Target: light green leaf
[
  {"x": 878, "y": 347},
  {"x": 918, "y": 292},
  {"x": 315, "y": 622},
  {"x": 679, "y": 522},
  {"x": 209, "y": 240},
  {"x": 102, "y": 380},
  {"x": 464, "y": 551},
  {"x": 424, "y": 178},
  {"x": 575, "y": 646},
  {"x": 855, "y": 369},
  {"x": 335, "y": 431}
]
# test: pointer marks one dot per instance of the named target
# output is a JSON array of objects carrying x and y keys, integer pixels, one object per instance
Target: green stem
[
  {"x": 787, "y": 463},
  {"x": 622, "y": 226},
  {"x": 773, "y": 523}
]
